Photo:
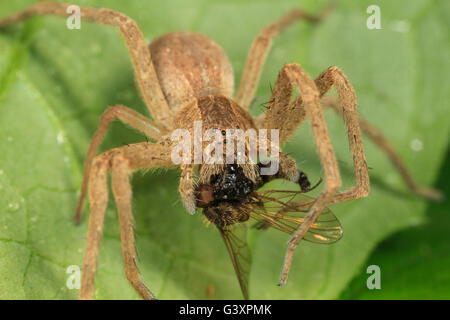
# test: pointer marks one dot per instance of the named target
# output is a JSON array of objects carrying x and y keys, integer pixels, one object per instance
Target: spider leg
[
  {"x": 186, "y": 188},
  {"x": 98, "y": 198},
  {"x": 121, "y": 161},
  {"x": 288, "y": 168},
  {"x": 293, "y": 74},
  {"x": 345, "y": 106},
  {"x": 288, "y": 118},
  {"x": 122, "y": 193},
  {"x": 140, "y": 55},
  {"x": 333, "y": 76},
  {"x": 383, "y": 143},
  {"x": 127, "y": 116},
  {"x": 260, "y": 49}
]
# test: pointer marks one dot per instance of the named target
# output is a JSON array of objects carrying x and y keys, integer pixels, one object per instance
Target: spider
[{"x": 185, "y": 77}]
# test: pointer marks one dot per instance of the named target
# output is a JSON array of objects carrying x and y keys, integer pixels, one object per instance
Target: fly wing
[
  {"x": 286, "y": 211},
  {"x": 235, "y": 238}
]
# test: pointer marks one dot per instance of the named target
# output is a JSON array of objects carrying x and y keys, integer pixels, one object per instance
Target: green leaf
[
  {"x": 55, "y": 83},
  {"x": 414, "y": 261}
]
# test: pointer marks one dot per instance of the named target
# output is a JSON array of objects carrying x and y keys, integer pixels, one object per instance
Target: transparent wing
[
  {"x": 286, "y": 210},
  {"x": 235, "y": 238}
]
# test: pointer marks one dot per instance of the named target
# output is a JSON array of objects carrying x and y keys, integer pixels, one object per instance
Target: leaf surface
[{"x": 55, "y": 83}]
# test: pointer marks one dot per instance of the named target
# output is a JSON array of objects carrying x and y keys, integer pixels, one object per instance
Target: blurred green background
[{"x": 55, "y": 83}]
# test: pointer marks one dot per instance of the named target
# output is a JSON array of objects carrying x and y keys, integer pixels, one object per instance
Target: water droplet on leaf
[{"x": 13, "y": 206}]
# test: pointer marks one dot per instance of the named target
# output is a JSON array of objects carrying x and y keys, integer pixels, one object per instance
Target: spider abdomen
[{"x": 190, "y": 65}]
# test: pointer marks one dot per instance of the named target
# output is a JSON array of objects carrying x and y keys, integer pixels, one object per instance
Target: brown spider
[{"x": 186, "y": 77}]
